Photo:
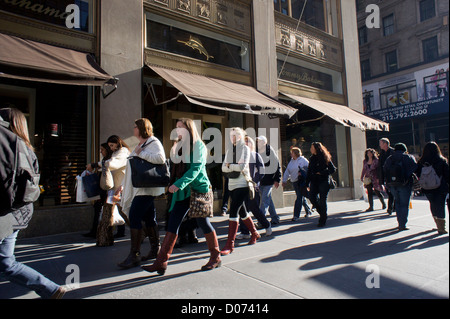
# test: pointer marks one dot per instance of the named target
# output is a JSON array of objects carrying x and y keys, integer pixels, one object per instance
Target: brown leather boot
[
  {"x": 134, "y": 258},
  {"x": 232, "y": 231},
  {"x": 248, "y": 222},
  {"x": 213, "y": 246},
  {"x": 160, "y": 264},
  {"x": 440, "y": 223},
  {"x": 155, "y": 245}
]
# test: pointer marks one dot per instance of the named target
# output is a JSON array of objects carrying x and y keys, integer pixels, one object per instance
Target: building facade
[
  {"x": 404, "y": 66},
  {"x": 277, "y": 52}
]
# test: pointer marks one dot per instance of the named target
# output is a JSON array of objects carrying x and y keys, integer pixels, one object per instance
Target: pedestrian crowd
[{"x": 132, "y": 179}]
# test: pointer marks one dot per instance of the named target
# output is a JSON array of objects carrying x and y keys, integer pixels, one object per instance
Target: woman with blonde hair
[
  {"x": 236, "y": 165},
  {"x": 194, "y": 184},
  {"x": 139, "y": 202}
]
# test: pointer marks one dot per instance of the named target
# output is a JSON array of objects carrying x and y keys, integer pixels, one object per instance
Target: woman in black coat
[
  {"x": 319, "y": 179},
  {"x": 16, "y": 220},
  {"x": 436, "y": 196}
]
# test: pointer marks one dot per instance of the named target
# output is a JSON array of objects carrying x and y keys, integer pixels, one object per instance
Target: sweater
[
  {"x": 293, "y": 168},
  {"x": 242, "y": 165},
  {"x": 153, "y": 152}
]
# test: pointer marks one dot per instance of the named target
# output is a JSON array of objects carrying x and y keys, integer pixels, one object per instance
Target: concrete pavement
[{"x": 299, "y": 260}]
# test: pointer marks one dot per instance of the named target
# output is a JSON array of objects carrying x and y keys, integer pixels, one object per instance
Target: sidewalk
[{"x": 298, "y": 261}]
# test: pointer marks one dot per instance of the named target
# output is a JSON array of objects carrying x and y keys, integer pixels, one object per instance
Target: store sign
[
  {"x": 412, "y": 110},
  {"x": 67, "y": 13},
  {"x": 299, "y": 74}
]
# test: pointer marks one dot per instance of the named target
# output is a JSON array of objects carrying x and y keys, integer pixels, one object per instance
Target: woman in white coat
[{"x": 138, "y": 203}]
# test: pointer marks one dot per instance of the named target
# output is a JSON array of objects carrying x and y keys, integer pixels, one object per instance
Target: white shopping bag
[
  {"x": 117, "y": 218},
  {"x": 365, "y": 195},
  {"x": 81, "y": 193}
]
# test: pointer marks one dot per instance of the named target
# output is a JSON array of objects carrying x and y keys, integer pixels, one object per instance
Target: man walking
[
  {"x": 398, "y": 170},
  {"x": 272, "y": 177},
  {"x": 386, "y": 151}
]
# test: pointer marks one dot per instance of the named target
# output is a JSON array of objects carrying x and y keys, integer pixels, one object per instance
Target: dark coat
[{"x": 319, "y": 171}]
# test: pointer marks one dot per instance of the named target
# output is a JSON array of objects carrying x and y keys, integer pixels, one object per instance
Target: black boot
[
  {"x": 155, "y": 245},
  {"x": 134, "y": 257}
]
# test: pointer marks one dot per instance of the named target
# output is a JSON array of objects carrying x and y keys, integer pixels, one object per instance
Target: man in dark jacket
[
  {"x": 402, "y": 189},
  {"x": 386, "y": 151},
  {"x": 272, "y": 177}
]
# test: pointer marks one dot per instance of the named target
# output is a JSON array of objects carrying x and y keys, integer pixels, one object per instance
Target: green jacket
[{"x": 195, "y": 176}]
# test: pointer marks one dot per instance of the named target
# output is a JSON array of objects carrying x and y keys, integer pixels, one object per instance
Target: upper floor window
[
  {"x": 388, "y": 25},
  {"x": 391, "y": 61},
  {"x": 430, "y": 49},
  {"x": 427, "y": 9},
  {"x": 313, "y": 11},
  {"x": 365, "y": 70},
  {"x": 362, "y": 35}
]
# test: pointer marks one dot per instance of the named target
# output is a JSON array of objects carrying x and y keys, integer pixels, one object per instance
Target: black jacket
[
  {"x": 8, "y": 142},
  {"x": 318, "y": 170},
  {"x": 272, "y": 168},
  {"x": 441, "y": 167}
]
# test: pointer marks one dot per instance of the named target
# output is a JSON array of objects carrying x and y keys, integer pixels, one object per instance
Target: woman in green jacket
[{"x": 194, "y": 179}]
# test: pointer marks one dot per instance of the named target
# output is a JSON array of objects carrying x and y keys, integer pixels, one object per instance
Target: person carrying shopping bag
[{"x": 138, "y": 202}]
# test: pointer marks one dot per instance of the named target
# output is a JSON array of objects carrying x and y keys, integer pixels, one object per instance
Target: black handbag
[
  {"x": 146, "y": 174},
  {"x": 91, "y": 185}
]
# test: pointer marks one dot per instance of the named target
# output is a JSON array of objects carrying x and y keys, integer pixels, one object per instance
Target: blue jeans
[
  {"x": 179, "y": 212},
  {"x": 402, "y": 196},
  {"x": 267, "y": 202},
  {"x": 300, "y": 201},
  {"x": 18, "y": 273}
]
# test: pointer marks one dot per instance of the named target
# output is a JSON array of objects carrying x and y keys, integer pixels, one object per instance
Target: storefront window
[
  {"x": 399, "y": 94},
  {"x": 57, "y": 117},
  {"x": 302, "y": 135},
  {"x": 54, "y": 12}
]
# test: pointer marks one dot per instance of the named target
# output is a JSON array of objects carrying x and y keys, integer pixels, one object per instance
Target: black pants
[
  {"x": 238, "y": 198},
  {"x": 370, "y": 192},
  {"x": 318, "y": 197}
]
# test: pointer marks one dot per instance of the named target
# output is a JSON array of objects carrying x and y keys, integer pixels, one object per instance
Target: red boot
[
  {"x": 213, "y": 246},
  {"x": 160, "y": 264},
  {"x": 232, "y": 231},
  {"x": 248, "y": 222}
]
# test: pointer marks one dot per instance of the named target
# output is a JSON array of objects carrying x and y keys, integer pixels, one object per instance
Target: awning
[
  {"x": 33, "y": 61},
  {"x": 342, "y": 114},
  {"x": 223, "y": 95}
]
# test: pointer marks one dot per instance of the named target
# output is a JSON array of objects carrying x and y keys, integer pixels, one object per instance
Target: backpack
[
  {"x": 429, "y": 179},
  {"x": 20, "y": 181},
  {"x": 396, "y": 173}
]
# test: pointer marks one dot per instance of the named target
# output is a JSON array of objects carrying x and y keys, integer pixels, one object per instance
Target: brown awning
[
  {"x": 33, "y": 61},
  {"x": 223, "y": 95},
  {"x": 342, "y": 114}
]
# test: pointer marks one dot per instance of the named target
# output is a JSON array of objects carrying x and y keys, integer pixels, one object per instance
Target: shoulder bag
[
  {"x": 145, "y": 174},
  {"x": 201, "y": 204}
]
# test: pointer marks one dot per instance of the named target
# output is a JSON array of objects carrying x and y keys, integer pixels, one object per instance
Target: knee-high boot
[
  {"x": 248, "y": 222},
  {"x": 232, "y": 231},
  {"x": 213, "y": 246},
  {"x": 153, "y": 236},
  {"x": 160, "y": 264},
  {"x": 134, "y": 257}
]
